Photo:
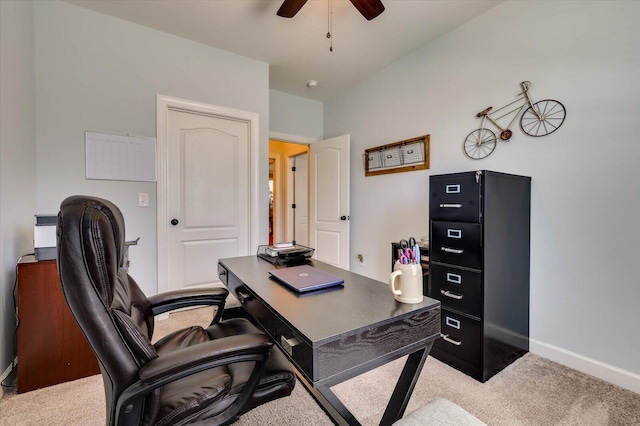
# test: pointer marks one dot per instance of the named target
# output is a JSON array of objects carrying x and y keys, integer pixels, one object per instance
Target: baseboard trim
[
  {"x": 617, "y": 376},
  {"x": 6, "y": 373}
]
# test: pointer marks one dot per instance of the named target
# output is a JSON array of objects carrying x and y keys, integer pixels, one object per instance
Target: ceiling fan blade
[
  {"x": 369, "y": 8},
  {"x": 289, "y": 8}
]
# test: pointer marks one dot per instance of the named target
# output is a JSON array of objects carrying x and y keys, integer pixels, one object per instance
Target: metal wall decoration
[
  {"x": 539, "y": 119},
  {"x": 403, "y": 156}
]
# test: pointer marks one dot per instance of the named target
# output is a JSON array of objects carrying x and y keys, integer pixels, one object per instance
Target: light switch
[{"x": 143, "y": 199}]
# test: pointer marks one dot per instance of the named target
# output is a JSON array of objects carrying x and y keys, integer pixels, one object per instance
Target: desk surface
[{"x": 326, "y": 314}]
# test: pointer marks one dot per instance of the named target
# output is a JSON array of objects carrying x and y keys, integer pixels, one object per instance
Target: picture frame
[{"x": 397, "y": 157}]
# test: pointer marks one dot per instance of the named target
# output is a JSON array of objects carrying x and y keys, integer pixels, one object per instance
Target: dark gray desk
[{"x": 333, "y": 335}]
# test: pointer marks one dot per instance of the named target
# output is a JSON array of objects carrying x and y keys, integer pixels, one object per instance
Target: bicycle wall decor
[{"x": 539, "y": 119}]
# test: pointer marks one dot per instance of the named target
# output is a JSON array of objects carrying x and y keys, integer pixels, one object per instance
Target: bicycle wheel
[
  {"x": 480, "y": 144},
  {"x": 544, "y": 118}
]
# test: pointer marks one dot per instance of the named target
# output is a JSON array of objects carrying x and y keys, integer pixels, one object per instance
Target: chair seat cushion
[
  {"x": 278, "y": 370},
  {"x": 188, "y": 396},
  {"x": 181, "y": 339}
]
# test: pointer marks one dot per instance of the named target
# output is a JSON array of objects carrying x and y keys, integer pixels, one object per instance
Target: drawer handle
[
  {"x": 452, "y": 189},
  {"x": 289, "y": 344},
  {"x": 451, "y": 294},
  {"x": 451, "y": 250},
  {"x": 244, "y": 297},
  {"x": 450, "y": 206},
  {"x": 446, "y": 338}
]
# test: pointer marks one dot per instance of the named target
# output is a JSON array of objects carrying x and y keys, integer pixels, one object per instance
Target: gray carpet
[{"x": 531, "y": 391}]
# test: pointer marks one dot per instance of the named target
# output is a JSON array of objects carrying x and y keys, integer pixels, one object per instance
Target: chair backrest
[{"x": 111, "y": 310}]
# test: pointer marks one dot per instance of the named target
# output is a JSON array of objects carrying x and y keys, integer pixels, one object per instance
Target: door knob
[
  {"x": 174, "y": 222},
  {"x": 343, "y": 218}
]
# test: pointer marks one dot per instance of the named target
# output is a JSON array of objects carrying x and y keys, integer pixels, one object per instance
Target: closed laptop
[{"x": 305, "y": 278}]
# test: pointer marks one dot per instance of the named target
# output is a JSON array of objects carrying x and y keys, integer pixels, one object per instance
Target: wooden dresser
[{"x": 51, "y": 347}]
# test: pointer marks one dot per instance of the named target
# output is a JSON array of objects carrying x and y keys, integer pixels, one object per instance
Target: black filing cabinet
[{"x": 479, "y": 268}]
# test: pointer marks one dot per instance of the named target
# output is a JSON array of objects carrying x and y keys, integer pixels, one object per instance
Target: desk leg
[
  {"x": 340, "y": 414},
  {"x": 344, "y": 415},
  {"x": 329, "y": 402},
  {"x": 404, "y": 388}
]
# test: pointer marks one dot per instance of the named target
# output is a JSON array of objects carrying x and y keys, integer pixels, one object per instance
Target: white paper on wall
[{"x": 119, "y": 157}]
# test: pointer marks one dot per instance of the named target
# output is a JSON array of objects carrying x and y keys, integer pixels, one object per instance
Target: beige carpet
[{"x": 531, "y": 391}]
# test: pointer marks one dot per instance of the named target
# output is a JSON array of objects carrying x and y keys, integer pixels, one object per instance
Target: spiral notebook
[{"x": 305, "y": 278}]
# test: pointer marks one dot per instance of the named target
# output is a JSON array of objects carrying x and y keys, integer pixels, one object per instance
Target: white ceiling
[{"x": 297, "y": 49}]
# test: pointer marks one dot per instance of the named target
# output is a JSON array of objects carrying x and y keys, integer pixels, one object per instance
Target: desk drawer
[
  {"x": 456, "y": 288},
  {"x": 456, "y": 243},
  {"x": 461, "y": 336},
  {"x": 222, "y": 274},
  {"x": 291, "y": 343},
  {"x": 283, "y": 335},
  {"x": 455, "y": 198}
]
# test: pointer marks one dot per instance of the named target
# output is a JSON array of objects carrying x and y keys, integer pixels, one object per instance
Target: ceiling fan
[{"x": 368, "y": 8}]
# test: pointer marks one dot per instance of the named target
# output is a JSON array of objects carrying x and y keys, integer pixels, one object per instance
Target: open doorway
[
  {"x": 288, "y": 189},
  {"x": 272, "y": 162}
]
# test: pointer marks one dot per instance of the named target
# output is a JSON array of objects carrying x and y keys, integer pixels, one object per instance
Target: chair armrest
[
  {"x": 194, "y": 359},
  {"x": 204, "y": 356},
  {"x": 171, "y": 300}
]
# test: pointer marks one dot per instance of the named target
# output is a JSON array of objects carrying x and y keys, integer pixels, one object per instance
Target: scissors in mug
[
  {"x": 412, "y": 245},
  {"x": 407, "y": 257}
]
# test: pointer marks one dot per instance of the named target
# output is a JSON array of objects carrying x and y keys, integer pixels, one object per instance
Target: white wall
[
  {"x": 585, "y": 296},
  {"x": 294, "y": 115},
  {"x": 98, "y": 73},
  {"x": 17, "y": 157}
]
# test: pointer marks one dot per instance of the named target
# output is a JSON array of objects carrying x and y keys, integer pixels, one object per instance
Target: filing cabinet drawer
[
  {"x": 456, "y": 288},
  {"x": 461, "y": 336},
  {"x": 455, "y": 198},
  {"x": 456, "y": 243}
]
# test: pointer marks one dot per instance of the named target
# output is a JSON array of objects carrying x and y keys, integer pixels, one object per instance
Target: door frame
[
  {"x": 289, "y": 219},
  {"x": 163, "y": 105},
  {"x": 276, "y": 226},
  {"x": 302, "y": 140}
]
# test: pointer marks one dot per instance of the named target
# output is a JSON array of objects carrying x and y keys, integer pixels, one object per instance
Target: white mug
[{"x": 405, "y": 282}]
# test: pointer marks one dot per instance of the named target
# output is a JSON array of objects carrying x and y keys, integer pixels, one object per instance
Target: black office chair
[{"x": 210, "y": 375}]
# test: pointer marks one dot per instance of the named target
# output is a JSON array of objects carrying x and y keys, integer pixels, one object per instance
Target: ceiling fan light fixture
[
  {"x": 289, "y": 8},
  {"x": 368, "y": 8}
]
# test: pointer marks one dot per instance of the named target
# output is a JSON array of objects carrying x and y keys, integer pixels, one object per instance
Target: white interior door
[
  {"x": 301, "y": 199},
  {"x": 329, "y": 200},
  {"x": 207, "y": 197}
]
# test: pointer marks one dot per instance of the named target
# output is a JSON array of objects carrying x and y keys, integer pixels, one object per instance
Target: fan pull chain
[{"x": 330, "y": 24}]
